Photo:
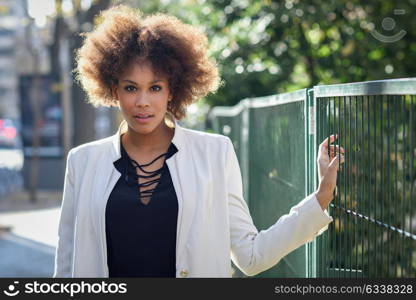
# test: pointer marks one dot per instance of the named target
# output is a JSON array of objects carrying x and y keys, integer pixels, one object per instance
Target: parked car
[
  {"x": 9, "y": 134},
  {"x": 11, "y": 157}
]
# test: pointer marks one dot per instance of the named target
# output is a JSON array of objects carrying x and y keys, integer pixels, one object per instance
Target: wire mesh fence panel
[
  {"x": 268, "y": 134},
  {"x": 230, "y": 126},
  {"x": 276, "y": 173},
  {"x": 233, "y": 122},
  {"x": 276, "y": 140},
  {"x": 373, "y": 209}
]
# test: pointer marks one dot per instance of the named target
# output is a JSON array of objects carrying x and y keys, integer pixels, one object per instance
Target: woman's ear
[
  {"x": 114, "y": 94},
  {"x": 114, "y": 91}
]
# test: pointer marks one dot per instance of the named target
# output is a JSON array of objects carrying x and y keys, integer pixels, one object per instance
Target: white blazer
[{"x": 214, "y": 224}]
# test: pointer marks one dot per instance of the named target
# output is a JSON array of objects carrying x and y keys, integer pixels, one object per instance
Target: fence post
[
  {"x": 245, "y": 148},
  {"x": 310, "y": 167}
]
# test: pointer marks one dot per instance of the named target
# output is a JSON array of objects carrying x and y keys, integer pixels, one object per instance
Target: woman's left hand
[{"x": 328, "y": 166}]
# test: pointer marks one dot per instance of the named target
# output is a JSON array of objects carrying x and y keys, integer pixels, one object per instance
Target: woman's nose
[{"x": 142, "y": 99}]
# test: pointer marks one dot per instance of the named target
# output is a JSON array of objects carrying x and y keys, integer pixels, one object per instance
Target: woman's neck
[{"x": 155, "y": 141}]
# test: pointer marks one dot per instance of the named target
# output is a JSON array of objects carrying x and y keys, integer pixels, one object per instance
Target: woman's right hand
[{"x": 328, "y": 166}]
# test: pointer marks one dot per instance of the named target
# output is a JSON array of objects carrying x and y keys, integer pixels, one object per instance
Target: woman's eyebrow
[{"x": 152, "y": 82}]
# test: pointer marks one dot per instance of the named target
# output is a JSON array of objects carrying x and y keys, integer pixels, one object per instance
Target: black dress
[{"x": 141, "y": 238}]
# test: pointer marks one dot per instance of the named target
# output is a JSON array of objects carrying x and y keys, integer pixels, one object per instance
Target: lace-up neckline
[
  {"x": 147, "y": 182},
  {"x": 131, "y": 224}
]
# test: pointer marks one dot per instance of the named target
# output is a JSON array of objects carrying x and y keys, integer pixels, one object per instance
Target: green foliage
[{"x": 265, "y": 47}]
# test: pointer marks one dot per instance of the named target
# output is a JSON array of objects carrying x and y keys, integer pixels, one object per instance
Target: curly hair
[{"x": 174, "y": 49}]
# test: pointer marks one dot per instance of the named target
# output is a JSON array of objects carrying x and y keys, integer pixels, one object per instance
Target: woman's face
[{"x": 142, "y": 97}]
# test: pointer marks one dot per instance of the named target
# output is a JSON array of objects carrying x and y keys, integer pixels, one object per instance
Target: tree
[
  {"x": 68, "y": 28},
  {"x": 280, "y": 46}
]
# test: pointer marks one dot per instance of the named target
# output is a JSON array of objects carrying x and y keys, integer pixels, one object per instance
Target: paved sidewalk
[
  {"x": 19, "y": 201},
  {"x": 28, "y": 234}
]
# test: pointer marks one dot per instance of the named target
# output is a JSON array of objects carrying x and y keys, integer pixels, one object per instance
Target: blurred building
[
  {"x": 33, "y": 91},
  {"x": 23, "y": 54},
  {"x": 17, "y": 33}
]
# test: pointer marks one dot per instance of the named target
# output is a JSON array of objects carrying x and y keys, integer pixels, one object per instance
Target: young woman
[{"x": 156, "y": 199}]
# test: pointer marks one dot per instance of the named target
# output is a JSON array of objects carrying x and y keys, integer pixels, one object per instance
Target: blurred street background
[{"x": 263, "y": 47}]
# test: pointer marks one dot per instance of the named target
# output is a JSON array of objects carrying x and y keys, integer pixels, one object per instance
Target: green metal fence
[{"x": 276, "y": 140}]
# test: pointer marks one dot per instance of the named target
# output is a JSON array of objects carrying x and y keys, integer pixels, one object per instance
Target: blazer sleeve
[
  {"x": 64, "y": 250},
  {"x": 253, "y": 251}
]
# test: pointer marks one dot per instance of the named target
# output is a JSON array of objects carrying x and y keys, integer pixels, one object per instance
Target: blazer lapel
[
  {"x": 184, "y": 178},
  {"x": 106, "y": 178}
]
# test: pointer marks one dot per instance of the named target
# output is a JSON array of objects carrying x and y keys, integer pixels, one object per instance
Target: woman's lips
[{"x": 143, "y": 119}]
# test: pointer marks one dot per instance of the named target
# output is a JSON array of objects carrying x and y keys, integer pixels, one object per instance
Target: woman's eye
[
  {"x": 129, "y": 88},
  {"x": 156, "y": 88}
]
